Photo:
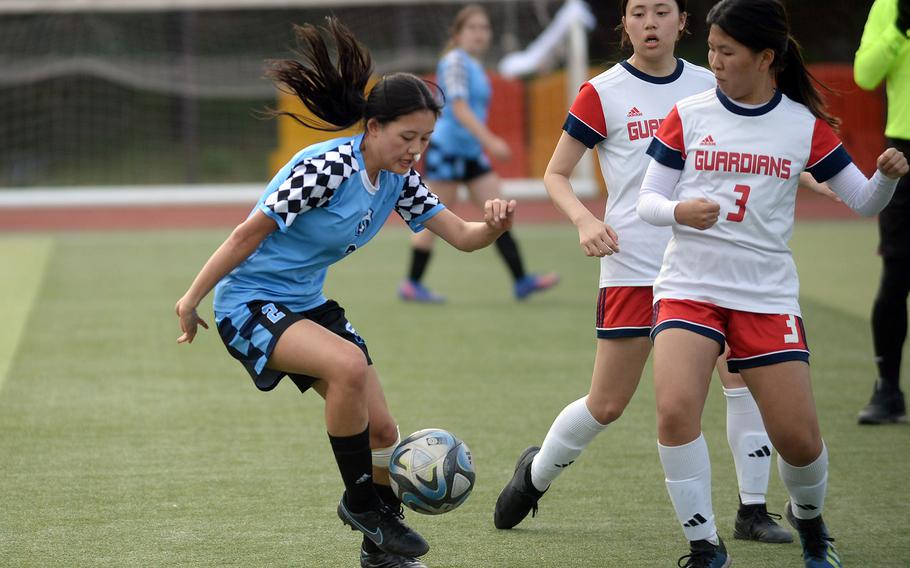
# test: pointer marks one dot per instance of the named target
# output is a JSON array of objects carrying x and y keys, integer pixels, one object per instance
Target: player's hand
[
  {"x": 597, "y": 238},
  {"x": 807, "y": 181},
  {"x": 498, "y": 213},
  {"x": 699, "y": 213},
  {"x": 189, "y": 321},
  {"x": 892, "y": 164},
  {"x": 498, "y": 148}
]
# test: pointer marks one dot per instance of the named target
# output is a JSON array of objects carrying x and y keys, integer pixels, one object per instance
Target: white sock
[
  {"x": 688, "y": 477},
  {"x": 750, "y": 445},
  {"x": 570, "y": 433},
  {"x": 806, "y": 485}
]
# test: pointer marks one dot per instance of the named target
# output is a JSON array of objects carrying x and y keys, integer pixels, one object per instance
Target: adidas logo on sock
[
  {"x": 564, "y": 465},
  {"x": 634, "y": 112},
  {"x": 708, "y": 141},
  {"x": 363, "y": 479},
  {"x": 806, "y": 507},
  {"x": 695, "y": 521},
  {"x": 762, "y": 452}
]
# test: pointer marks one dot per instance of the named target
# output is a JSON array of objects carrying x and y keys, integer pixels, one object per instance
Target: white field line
[{"x": 204, "y": 194}]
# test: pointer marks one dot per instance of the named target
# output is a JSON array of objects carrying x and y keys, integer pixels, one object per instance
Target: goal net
[{"x": 143, "y": 92}]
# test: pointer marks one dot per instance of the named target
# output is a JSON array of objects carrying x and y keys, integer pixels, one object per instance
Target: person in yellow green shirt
[{"x": 884, "y": 55}]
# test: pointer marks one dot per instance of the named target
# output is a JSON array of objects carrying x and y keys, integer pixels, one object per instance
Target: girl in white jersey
[
  {"x": 724, "y": 176},
  {"x": 326, "y": 203},
  {"x": 618, "y": 113}
]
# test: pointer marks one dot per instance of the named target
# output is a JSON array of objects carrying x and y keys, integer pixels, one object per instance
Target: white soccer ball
[{"x": 432, "y": 471}]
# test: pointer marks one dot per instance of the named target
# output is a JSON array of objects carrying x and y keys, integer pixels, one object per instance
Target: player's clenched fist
[
  {"x": 892, "y": 163},
  {"x": 700, "y": 213}
]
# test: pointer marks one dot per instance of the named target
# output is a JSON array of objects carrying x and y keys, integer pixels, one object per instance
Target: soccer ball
[{"x": 432, "y": 471}]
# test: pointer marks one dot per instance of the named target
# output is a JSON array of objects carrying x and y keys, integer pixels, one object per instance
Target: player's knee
[
  {"x": 350, "y": 370},
  {"x": 673, "y": 417},
  {"x": 608, "y": 411},
  {"x": 799, "y": 448}
]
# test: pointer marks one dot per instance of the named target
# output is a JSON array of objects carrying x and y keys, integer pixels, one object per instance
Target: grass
[{"x": 119, "y": 448}]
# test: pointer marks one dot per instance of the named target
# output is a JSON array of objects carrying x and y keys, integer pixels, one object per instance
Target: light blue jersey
[
  {"x": 325, "y": 208},
  {"x": 460, "y": 76}
]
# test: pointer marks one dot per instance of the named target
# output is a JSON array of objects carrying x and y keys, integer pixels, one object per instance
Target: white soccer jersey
[
  {"x": 748, "y": 160},
  {"x": 618, "y": 112}
]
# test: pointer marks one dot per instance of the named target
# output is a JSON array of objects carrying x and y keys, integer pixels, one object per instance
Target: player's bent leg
[
  {"x": 683, "y": 365},
  {"x": 752, "y": 451},
  {"x": 783, "y": 392},
  {"x": 618, "y": 364},
  {"x": 617, "y": 370},
  {"x": 307, "y": 348}
]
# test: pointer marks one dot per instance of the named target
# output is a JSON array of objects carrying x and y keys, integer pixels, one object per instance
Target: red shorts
[
  {"x": 624, "y": 311},
  {"x": 755, "y": 340}
]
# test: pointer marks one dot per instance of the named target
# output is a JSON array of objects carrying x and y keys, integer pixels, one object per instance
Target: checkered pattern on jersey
[
  {"x": 416, "y": 198},
  {"x": 312, "y": 183},
  {"x": 456, "y": 75}
]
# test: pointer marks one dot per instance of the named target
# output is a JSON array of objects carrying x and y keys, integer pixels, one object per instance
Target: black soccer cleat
[
  {"x": 386, "y": 560},
  {"x": 385, "y": 527},
  {"x": 703, "y": 554},
  {"x": 519, "y": 497},
  {"x": 884, "y": 408},
  {"x": 754, "y": 522},
  {"x": 818, "y": 546}
]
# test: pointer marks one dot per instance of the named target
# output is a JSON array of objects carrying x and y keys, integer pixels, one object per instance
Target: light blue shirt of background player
[
  {"x": 460, "y": 76},
  {"x": 325, "y": 208}
]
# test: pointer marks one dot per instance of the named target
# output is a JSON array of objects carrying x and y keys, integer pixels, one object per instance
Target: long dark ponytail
[
  {"x": 335, "y": 91},
  {"x": 764, "y": 24}
]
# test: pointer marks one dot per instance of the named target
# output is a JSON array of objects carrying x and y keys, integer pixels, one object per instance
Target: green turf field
[{"x": 119, "y": 448}]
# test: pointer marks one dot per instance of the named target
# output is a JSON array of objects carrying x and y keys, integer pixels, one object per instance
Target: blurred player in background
[
  {"x": 884, "y": 54},
  {"x": 618, "y": 112},
  {"x": 457, "y": 153},
  {"x": 327, "y": 202},
  {"x": 724, "y": 176}
]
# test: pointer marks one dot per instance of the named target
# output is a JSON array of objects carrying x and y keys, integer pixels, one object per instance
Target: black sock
[
  {"x": 387, "y": 495},
  {"x": 508, "y": 250},
  {"x": 389, "y": 498},
  {"x": 356, "y": 465},
  {"x": 889, "y": 322},
  {"x": 419, "y": 260}
]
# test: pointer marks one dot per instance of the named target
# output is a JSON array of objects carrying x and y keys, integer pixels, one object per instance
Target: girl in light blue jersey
[
  {"x": 456, "y": 154},
  {"x": 327, "y": 202}
]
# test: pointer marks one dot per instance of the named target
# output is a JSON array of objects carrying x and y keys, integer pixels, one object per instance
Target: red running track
[{"x": 808, "y": 206}]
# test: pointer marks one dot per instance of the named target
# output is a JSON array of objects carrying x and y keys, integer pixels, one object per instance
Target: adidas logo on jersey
[
  {"x": 634, "y": 112},
  {"x": 708, "y": 141}
]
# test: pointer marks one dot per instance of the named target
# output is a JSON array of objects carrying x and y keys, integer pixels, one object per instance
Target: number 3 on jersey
[{"x": 741, "y": 203}]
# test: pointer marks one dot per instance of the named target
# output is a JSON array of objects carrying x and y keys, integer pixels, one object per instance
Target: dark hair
[
  {"x": 763, "y": 24},
  {"x": 335, "y": 91},
  {"x": 461, "y": 18},
  {"x": 624, "y": 37}
]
